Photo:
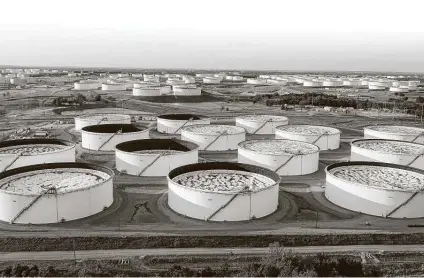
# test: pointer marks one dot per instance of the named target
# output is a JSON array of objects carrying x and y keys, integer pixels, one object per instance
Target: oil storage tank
[
  {"x": 106, "y": 137},
  {"x": 214, "y": 137},
  {"x": 186, "y": 90},
  {"x": 147, "y": 91},
  {"x": 24, "y": 152},
  {"x": 376, "y": 188},
  {"x": 172, "y": 123},
  {"x": 114, "y": 87},
  {"x": 326, "y": 138},
  {"x": 86, "y": 85},
  {"x": 261, "y": 124},
  {"x": 389, "y": 151},
  {"x": 285, "y": 157},
  {"x": 54, "y": 192},
  {"x": 154, "y": 157},
  {"x": 96, "y": 119},
  {"x": 223, "y": 191},
  {"x": 401, "y": 133}
]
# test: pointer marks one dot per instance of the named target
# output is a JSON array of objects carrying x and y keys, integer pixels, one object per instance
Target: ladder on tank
[
  {"x": 13, "y": 161},
  {"x": 51, "y": 190},
  {"x": 244, "y": 190},
  {"x": 259, "y": 128},
  {"x": 403, "y": 203},
  {"x": 285, "y": 163},
  {"x": 214, "y": 140},
  {"x": 415, "y": 159},
  {"x": 186, "y": 122},
  {"x": 101, "y": 120},
  {"x": 418, "y": 136},
  {"x": 319, "y": 137},
  {"x": 110, "y": 138},
  {"x": 150, "y": 164}
]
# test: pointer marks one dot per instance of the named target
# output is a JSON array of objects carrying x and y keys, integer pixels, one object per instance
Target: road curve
[{"x": 107, "y": 254}]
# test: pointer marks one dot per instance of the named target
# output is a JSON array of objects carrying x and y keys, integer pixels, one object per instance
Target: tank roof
[
  {"x": 63, "y": 177},
  {"x": 33, "y": 146},
  {"x": 156, "y": 144},
  {"x": 308, "y": 129},
  {"x": 396, "y": 129},
  {"x": 379, "y": 175},
  {"x": 214, "y": 129},
  {"x": 389, "y": 146},
  {"x": 103, "y": 117},
  {"x": 223, "y": 177},
  {"x": 279, "y": 147},
  {"x": 263, "y": 118},
  {"x": 180, "y": 117},
  {"x": 112, "y": 128}
]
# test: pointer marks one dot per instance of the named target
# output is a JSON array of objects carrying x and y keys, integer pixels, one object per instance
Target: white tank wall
[
  {"x": 371, "y": 200},
  {"x": 64, "y": 155},
  {"x": 172, "y": 126},
  {"x": 186, "y": 91},
  {"x": 201, "y": 205},
  {"x": 86, "y": 86},
  {"x": 223, "y": 143},
  {"x": 210, "y": 80},
  {"x": 252, "y": 126},
  {"x": 298, "y": 165},
  {"x": 133, "y": 163},
  {"x": 256, "y": 81},
  {"x": 373, "y": 134},
  {"x": 398, "y": 90},
  {"x": 114, "y": 87},
  {"x": 376, "y": 87},
  {"x": 326, "y": 142},
  {"x": 165, "y": 90},
  {"x": 93, "y": 140},
  {"x": 361, "y": 154},
  {"x": 83, "y": 122},
  {"x": 52, "y": 208},
  {"x": 312, "y": 84},
  {"x": 154, "y": 91}
]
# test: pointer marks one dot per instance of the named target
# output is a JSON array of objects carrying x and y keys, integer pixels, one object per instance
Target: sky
[{"x": 298, "y": 35}]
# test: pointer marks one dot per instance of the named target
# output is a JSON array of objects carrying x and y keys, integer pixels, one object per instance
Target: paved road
[{"x": 102, "y": 254}]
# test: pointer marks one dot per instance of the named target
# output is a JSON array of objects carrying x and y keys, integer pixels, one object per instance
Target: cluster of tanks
[{"x": 385, "y": 175}]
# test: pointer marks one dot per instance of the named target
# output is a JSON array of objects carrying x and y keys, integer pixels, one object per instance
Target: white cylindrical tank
[
  {"x": 399, "y": 89},
  {"x": 80, "y": 86},
  {"x": 388, "y": 151},
  {"x": 54, "y": 192},
  {"x": 351, "y": 83},
  {"x": 401, "y": 133},
  {"x": 172, "y": 123},
  {"x": 154, "y": 157},
  {"x": 186, "y": 90},
  {"x": 147, "y": 91},
  {"x": 106, "y": 136},
  {"x": 376, "y": 188},
  {"x": 332, "y": 83},
  {"x": 326, "y": 138},
  {"x": 256, "y": 81},
  {"x": 114, "y": 87},
  {"x": 223, "y": 191},
  {"x": 285, "y": 157},
  {"x": 96, "y": 119},
  {"x": 312, "y": 84},
  {"x": 175, "y": 82},
  {"x": 153, "y": 79},
  {"x": 214, "y": 137},
  {"x": 19, "y": 153},
  {"x": 212, "y": 80},
  {"x": 261, "y": 124}
]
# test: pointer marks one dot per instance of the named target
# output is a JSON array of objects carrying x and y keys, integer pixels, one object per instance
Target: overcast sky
[{"x": 306, "y": 35}]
